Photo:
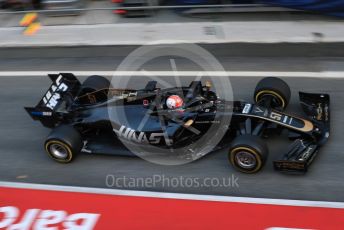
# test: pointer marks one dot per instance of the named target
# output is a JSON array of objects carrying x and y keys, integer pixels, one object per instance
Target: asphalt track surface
[{"x": 24, "y": 160}]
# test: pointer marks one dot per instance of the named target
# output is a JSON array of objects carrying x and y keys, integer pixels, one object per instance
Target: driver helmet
[{"x": 174, "y": 102}]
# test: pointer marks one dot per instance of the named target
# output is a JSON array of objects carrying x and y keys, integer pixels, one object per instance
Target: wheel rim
[
  {"x": 246, "y": 160},
  {"x": 58, "y": 151}
]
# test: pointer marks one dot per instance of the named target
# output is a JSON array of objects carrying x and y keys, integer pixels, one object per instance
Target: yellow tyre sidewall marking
[
  {"x": 273, "y": 93},
  {"x": 70, "y": 154},
  {"x": 258, "y": 158}
]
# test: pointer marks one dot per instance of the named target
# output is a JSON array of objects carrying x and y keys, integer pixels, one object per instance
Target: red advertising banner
[{"x": 34, "y": 208}]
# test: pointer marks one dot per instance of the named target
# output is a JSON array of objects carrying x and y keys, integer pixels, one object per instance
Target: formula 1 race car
[{"x": 78, "y": 114}]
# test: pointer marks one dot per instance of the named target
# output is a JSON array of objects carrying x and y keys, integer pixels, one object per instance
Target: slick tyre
[
  {"x": 248, "y": 153},
  {"x": 276, "y": 89},
  {"x": 63, "y": 144},
  {"x": 97, "y": 86}
]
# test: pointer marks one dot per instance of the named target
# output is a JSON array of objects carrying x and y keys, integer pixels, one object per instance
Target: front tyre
[
  {"x": 248, "y": 153},
  {"x": 63, "y": 144},
  {"x": 274, "y": 91}
]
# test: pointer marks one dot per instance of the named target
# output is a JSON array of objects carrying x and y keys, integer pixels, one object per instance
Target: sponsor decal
[
  {"x": 52, "y": 97},
  {"x": 258, "y": 110},
  {"x": 276, "y": 116},
  {"x": 145, "y": 102},
  {"x": 141, "y": 137},
  {"x": 13, "y": 219},
  {"x": 208, "y": 122},
  {"x": 285, "y": 119},
  {"x": 24, "y": 209},
  {"x": 307, "y": 153},
  {"x": 247, "y": 108},
  {"x": 319, "y": 112},
  {"x": 44, "y": 114},
  {"x": 326, "y": 113}
]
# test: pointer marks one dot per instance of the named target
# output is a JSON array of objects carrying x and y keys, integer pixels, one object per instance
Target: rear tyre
[
  {"x": 94, "y": 89},
  {"x": 248, "y": 153},
  {"x": 274, "y": 89},
  {"x": 63, "y": 144}
]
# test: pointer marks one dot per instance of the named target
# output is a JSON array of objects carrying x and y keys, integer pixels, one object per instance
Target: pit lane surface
[{"x": 24, "y": 160}]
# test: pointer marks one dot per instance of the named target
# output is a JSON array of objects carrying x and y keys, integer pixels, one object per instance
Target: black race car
[{"x": 93, "y": 117}]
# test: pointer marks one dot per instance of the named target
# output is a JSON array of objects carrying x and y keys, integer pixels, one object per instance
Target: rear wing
[{"x": 46, "y": 111}]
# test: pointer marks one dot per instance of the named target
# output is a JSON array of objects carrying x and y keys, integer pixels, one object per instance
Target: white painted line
[
  {"x": 181, "y": 196},
  {"x": 325, "y": 74}
]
